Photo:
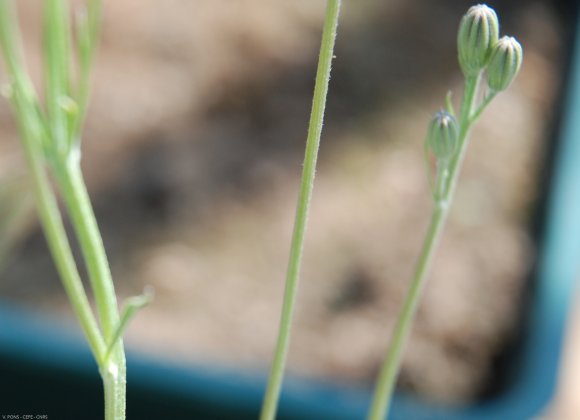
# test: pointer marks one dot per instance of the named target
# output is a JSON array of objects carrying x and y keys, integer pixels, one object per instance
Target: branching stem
[{"x": 389, "y": 371}]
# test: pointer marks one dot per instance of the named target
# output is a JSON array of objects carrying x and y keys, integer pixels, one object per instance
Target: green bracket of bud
[
  {"x": 504, "y": 64},
  {"x": 442, "y": 142},
  {"x": 477, "y": 36}
]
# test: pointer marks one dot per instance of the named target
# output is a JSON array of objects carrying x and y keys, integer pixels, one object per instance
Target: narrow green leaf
[
  {"x": 449, "y": 103},
  {"x": 130, "y": 308}
]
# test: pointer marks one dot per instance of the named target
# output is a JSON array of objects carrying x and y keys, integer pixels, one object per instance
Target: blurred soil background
[{"x": 193, "y": 152}]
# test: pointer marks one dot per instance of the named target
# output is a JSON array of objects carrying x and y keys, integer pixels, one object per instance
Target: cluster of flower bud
[{"x": 480, "y": 48}]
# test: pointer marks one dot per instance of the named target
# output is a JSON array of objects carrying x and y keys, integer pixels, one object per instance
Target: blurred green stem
[
  {"x": 76, "y": 198},
  {"x": 112, "y": 367},
  {"x": 390, "y": 369},
  {"x": 48, "y": 138},
  {"x": 58, "y": 243},
  {"x": 272, "y": 396},
  {"x": 33, "y": 137}
]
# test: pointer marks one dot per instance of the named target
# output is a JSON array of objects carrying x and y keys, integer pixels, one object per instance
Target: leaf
[{"x": 130, "y": 308}]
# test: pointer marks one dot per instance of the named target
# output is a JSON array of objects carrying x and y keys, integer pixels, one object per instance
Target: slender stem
[
  {"x": 113, "y": 369},
  {"x": 10, "y": 41},
  {"x": 272, "y": 396},
  {"x": 465, "y": 121},
  {"x": 57, "y": 68},
  {"x": 488, "y": 98},
  {"x": 47, "y": 138},
  {"x": 390, "y": 368},
  {"x": 78, "y": 204},
  {"x": 57, "y": 239},
  {"x": 88, "y": 28},
  {"x": 33, "y": 138},
  {"x": 389, "y": 371},
  {"x": 114, "y": 375}
]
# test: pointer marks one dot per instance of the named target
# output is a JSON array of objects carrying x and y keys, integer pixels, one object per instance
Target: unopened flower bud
[
  {"x": 504, "y": 64},
  {"x": 443, "y": 135},
  {"x": 478, "y": 34}
]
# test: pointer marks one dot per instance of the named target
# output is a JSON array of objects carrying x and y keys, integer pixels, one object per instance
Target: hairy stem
[
  {"x": 272, "y": 396},
  {"x": 390, "y": 369}
]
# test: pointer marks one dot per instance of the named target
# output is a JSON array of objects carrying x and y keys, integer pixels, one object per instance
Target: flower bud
[
  {"x": 505, "y": 63},
  {"x": 443, "y": 135},
  {"x": 478, "y": 34}
]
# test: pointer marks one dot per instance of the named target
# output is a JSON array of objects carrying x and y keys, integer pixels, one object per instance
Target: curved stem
[
  {"x": 272, "y": 396},
  {"x": 389, "y": 371}
]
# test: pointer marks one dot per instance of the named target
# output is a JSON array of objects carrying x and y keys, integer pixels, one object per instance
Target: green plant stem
[
  {"x": 9, "y": 38},
  {"x": 466, "y": 120},
  {"x": 33, "y": 138},
  {"x": 486, "y": 101},
  {"x": 272, "y": 395},
  {"x": 389, "y": 371},
  {"x": 49, "y": 139},
  {"x": 88, "y": 28},
  {"x": 390, "y": 368},
  {"x": 114, "y": 375},
  {"x": 56, "y": 237},
  {"x": 113, "y": 369},
  {"x": 76, "y": 198},
  {"x": 56, "y": 50}
]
